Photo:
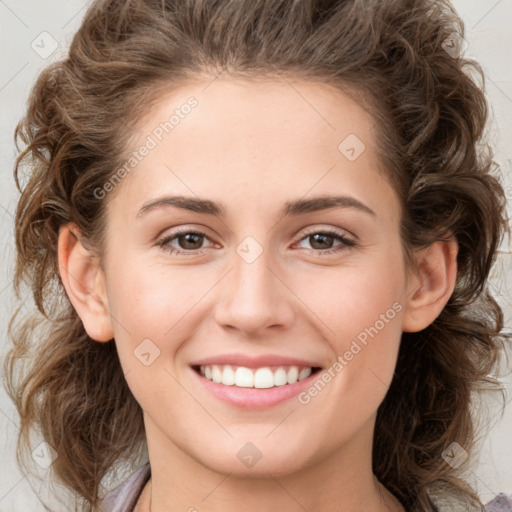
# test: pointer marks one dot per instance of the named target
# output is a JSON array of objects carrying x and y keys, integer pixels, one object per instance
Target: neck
[
  {"x": 382, "y": 501},
  {"x": 339, "y": 481}
]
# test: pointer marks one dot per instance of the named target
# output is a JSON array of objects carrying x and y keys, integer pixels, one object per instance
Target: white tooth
[
  {"x": 244, "y": 378},
  {"x": 228, "y": 376},
  {"x": 304, "y": 373},
  {"x": 280, "y": 377},
  {"x": 216, "y": 374},
  {"x": 263, "y": 378},
  {"x": 293, "y": 375}
]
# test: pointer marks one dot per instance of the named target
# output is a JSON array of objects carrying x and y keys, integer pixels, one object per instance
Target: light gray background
[{"x": 27, "y": 31}]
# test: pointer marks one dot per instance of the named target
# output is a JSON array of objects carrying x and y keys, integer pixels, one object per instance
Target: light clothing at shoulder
[{"x": 123, "y": 498}]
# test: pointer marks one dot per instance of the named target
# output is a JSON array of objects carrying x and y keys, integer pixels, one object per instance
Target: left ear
[{"x": 430, "y": 288}]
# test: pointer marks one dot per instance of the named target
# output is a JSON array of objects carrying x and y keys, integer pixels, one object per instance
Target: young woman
[{"x": 259, "y": 233}]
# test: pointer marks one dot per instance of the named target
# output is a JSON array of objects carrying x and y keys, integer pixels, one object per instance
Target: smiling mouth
[{"x": 259, "y": 378}]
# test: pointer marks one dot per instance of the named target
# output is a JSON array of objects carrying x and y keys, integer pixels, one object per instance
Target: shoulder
[
  {"x": 124, "y": 497},
  {"x": 501, "y": 503}
]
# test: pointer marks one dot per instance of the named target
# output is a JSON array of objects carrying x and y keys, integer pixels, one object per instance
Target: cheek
[
  {"x": 148, "y": 299},
  {"x": 365, "y": 347},
  {"x": 352, "y": 298},
  {"x": 149, "y": 309},
  {"x": 360, "y": 311}
]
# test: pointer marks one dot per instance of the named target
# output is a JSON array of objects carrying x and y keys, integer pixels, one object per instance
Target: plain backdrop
[{"x": 31, "y": 29}]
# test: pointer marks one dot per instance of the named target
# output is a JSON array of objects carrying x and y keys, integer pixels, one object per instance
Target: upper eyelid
[
  {"x": 305, "y": 231},
  {"x": 338, "y": 231}
]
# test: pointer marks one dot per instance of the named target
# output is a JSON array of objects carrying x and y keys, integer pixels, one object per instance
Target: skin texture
[{"x": 254, "y": 146}]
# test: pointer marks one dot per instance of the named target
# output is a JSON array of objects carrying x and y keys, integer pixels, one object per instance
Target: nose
[{"x": 255, "y": 297}]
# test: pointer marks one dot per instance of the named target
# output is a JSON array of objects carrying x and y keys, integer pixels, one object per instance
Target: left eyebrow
[
  {"x": 323, "y": 203},
  {"x": 290, "y": 208}
]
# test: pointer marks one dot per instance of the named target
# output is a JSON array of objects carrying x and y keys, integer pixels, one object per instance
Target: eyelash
[{"x": 345, "y": 242}]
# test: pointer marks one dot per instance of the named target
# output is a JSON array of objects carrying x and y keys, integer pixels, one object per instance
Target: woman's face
[{"x": 278, "y": 279}]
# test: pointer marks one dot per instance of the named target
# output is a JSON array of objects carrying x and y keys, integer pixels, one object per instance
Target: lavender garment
[
  {"x": 124, "y": 497},
  {"x": 502, "y": 503}
]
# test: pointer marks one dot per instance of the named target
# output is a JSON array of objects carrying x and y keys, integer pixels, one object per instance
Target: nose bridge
[{"x": 254, "y": 297}]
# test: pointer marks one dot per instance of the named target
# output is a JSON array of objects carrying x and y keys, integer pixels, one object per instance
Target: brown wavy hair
[{"x": 391, "y": 56}]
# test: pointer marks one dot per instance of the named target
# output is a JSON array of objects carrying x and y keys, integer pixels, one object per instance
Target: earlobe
[
  {"x": 84, "y": 283},
  {"x": 432, "y": 286}
]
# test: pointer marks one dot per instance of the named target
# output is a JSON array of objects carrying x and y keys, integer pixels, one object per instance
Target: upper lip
[{"x": 256, "y": 361}]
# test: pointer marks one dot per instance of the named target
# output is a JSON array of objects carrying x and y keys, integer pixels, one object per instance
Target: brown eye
[
  {"x": 189, "y": 241},
  {"x": 183, "y": 242},
  {"x": 322, "y": 242}
]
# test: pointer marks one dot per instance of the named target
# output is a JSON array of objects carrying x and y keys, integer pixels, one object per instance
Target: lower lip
[{"x": 254, "y": 398}]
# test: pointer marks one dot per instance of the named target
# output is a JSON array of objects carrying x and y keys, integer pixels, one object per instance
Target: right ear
[{"x": 84, "y": 282}]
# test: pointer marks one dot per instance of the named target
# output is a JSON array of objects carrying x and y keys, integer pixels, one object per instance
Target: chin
[{"x": 261, "y": 469}]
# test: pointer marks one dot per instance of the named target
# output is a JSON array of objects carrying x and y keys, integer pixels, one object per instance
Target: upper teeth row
[{"x": 243, "y": 377}]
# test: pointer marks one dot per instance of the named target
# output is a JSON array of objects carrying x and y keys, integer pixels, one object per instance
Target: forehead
[
  {"x": 318, "y": 113},
  {"x": 224, "y": 138}
]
